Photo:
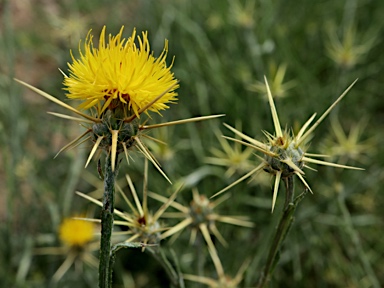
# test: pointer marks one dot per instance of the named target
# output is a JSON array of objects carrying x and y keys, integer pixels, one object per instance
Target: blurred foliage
[{"x": 221, "y": 49}]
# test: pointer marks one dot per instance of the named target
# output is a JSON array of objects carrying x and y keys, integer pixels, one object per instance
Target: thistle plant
[
  {"x": 117, "y": 82},
  {"x": 285, "y": 156},
  {"x": 328, "y": 239}
]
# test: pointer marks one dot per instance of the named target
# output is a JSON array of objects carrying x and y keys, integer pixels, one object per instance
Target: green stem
[
  {"x": 105, "y": 268},
  {"x": 281, "y": 231}
]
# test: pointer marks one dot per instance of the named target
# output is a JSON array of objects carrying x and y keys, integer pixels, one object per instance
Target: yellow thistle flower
[
  {"x": 120, "y": 81},
  {"x": 119, "y": 72},
  {"x": 285, "y": 153},
  {"x": 79, "y": 245},
  {"x": 74, "y": 232}
]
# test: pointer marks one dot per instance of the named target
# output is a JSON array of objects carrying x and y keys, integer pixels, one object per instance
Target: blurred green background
[{"x": 310, "y": 51}]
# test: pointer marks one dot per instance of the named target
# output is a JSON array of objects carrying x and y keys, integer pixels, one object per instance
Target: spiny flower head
[
  {"x": 200, "y": 210},
  {"x": 235, "y": 158},
  {"x": 279, "y": 87},
  {"x": 74, "y": 232},
  {"x": 144, "y": 226},
  {"x": 120, "y": 73},
  {"x": 200, "y": 215},
  {"x": 349, "y": 146},
  {"x": 348, "y": 51},
  {"x": 285, "y": 154}
]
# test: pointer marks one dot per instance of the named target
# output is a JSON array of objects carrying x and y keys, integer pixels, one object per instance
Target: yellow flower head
[
  {"x": 74, "y": 232},
  {"x": 120, "y": 73},
  {"x": 120, "y": 80}
]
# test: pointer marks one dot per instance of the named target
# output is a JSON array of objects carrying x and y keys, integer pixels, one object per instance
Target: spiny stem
[
  {"x": 105, "y": 268},
  {"x": 281, "y": 231}
]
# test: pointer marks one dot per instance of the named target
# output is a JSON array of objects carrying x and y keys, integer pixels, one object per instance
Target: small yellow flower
[
  {"x": 120, "y": 72},
  {"x": 74, "y": 232},
  {"x": 79, "y": 246}
]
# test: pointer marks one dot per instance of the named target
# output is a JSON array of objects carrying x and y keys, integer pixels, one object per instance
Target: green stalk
[
  {"x": 105, "y": 268},
  {"x": 281, "y": 231}
]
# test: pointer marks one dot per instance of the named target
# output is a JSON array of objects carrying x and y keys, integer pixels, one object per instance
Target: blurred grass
[{"x": 221, "y": 49}]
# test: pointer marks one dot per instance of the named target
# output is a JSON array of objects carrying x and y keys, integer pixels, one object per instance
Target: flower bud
[{"x": 284, "y": 149}]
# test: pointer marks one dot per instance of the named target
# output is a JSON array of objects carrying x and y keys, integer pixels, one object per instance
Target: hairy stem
[
  {"x": 281, "y": 231},
  {"x": 105, "y": 268}
]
